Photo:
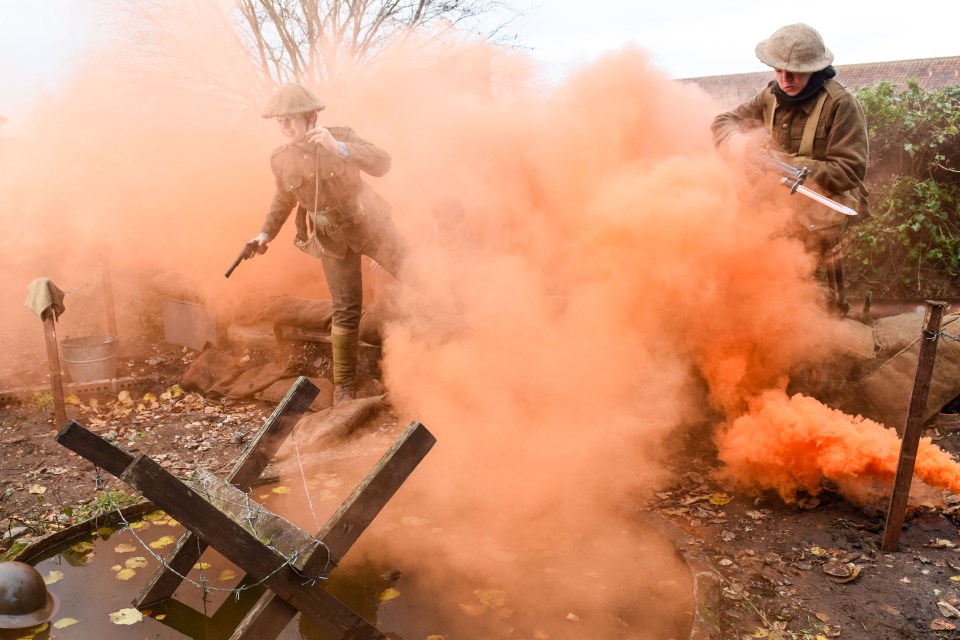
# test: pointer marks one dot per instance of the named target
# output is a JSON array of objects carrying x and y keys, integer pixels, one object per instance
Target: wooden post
[
  {"x": 238, "y": 546},
  {"x": 188, "y": 548},
  {"x": 271, "y": 614},
  {"x": 108, "y": 299},
  {"x": 53, "y": 359},
  {"x": 913, "y": 426}
]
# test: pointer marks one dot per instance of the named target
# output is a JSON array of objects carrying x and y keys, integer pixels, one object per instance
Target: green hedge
[{"x": 909, "y": 245}]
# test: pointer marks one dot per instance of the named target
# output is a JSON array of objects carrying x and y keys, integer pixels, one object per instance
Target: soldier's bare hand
[{"x": 323, "y": 137}]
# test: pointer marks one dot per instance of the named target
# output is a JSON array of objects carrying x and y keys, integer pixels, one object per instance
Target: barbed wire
[{"x": 203, "y": 585}]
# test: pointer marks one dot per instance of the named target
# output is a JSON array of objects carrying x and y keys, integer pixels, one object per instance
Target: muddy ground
[{"x": 813, "y": 570}]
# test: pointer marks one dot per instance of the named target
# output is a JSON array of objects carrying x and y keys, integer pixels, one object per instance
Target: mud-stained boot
[
  {"x": 343, "y": 392},
  {"x": 345, "y": 344}
]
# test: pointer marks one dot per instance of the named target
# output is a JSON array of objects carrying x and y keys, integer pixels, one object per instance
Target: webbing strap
[{"x": 810, "y": 128}]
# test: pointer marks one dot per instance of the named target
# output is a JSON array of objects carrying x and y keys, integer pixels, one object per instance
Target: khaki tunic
[
  {"x": 308, "y": 175},
  {"x": 838, "y": 164}
]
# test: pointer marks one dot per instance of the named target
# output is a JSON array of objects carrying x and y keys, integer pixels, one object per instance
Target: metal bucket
[{"x": 91, "y": 358}]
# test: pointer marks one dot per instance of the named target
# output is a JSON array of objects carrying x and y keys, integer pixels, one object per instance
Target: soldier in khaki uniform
[
  {"x": 338, "y": 219},
  {"x": 811, "y": 121}
]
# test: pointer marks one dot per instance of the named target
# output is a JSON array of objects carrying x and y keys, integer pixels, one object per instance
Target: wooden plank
[
  {"x": 245, "y": 551},
  {"x": 269, "y": 617},
  {"x": 248, "y": 468},
  {"x": 53, "y": 360},
  {"x": 913, "y": 427},
  {"x": 83, "y": 442}
]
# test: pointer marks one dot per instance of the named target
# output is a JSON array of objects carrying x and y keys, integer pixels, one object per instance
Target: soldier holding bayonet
[{"x": 812, "y": 122}]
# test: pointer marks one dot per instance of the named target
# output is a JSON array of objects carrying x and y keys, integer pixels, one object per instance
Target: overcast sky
[{"x": 40, "y": 39}]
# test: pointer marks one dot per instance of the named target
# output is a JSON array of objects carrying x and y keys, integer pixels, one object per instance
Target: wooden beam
[
  {"x": 245, "y": 551},
  {"x": 86, "y": 443},
  {"x": 264, "y": 446},
  {"x": 914, "y": 425},
  {"x": 271, "y": 615},
  {"x": 53, "y": 360}
]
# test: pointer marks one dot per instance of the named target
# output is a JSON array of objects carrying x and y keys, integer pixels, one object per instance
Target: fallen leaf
[
  {"x": 822, "y": 617},
  {"x": 136, "y": 562},
  {"x": 160, "y": 543},
  {"x": 941, "y": 543},
  {"x": 280, "y": 490},
  {"x": 720, "y": 499},
  {"x": 227, "y": 574},
  {"x": 939, "y": 624},
  {"x": 947, "y": 610},
  {"x": 202, "y": 566},
  {"x": 149, "y": 397},
  {"x": 126, "y": 616},
  {"x": 389, "y": 594},
  {"x": 53, "y": 577},
  {"x": 124, "y": 548},
  {"x": 37, "y": 489},
  {"x": 72, "y": 400},
  {"x": 842, "y": 571},
  {"x": 124, "y": 397},
  {"x": 63, "y": 623},
  {"x": 82, "y": 547},
  {"x": 125, "y": 574},
  {"x": 572, "y": 617},
  {"x": 818, "y": 551},
  {"x": 493, "y": 598},
  {"x": 436, "y": 637}
]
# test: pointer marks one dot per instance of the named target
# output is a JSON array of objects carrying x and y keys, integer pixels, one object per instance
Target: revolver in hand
[{"x": 250, "y": 249}]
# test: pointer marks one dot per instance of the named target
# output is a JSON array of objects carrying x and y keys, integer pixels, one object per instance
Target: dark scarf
[{"x": 813, "y": 87}]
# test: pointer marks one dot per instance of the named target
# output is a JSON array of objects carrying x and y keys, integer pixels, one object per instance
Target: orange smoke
[{"x": 796, "y": 443}]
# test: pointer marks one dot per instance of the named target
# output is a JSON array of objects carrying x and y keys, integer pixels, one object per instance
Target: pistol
[{"x": 250, "y": 249}]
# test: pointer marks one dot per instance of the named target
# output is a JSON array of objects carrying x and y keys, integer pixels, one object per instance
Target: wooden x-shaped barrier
[{"x": 287, "y": 590}]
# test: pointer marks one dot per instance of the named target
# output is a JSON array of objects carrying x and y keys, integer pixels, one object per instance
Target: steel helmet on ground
[
  {"x": 291, "y": 100},
  {"x": 796, "y": 47},
  {"x": 24, "y": 599}
]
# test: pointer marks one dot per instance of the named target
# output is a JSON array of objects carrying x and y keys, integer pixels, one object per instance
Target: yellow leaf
[
  {"x": 124, "y": 548},
  {"x": 82, "y": 547},
  {"x": 954, "y": 578},
  {"x": 493, "y": 598},
  {"x": 176, "y": 391},
  {"x": 818, "y": 551},
  {"x": 94, "y": 403},
  {"x": 149, "y": 397},
  {"x": 160, "y": 543},
  {"x": 136, "y": 562},
  {"x": 720, "y": 499},
  {"x": 53, "y": 577},
  {"x": 105, "y": 532},
  {"x": 166, "y": 395},
  {"x": 161, "y": 616},
  {"x": 280, "y": 490},
  {"x": 116, "y": 568},
  {"x": 389, "y": 594},
  {"x": 154, "y": 515},
  {"x": 436, "y": 637},
  {"x": 37, "y": 489},
  {"x": 63, "y": 623},
  {"x": 138, "y": 524},
  {"x": 124, "y": 397},
  {"x": 760, "y": 633},
  {"x": 202, "y": 566},
  {"x": 72, "y": 400},
  {"x": 172, "y": 523},
  {"x": 126, "y": 616},
  {"x": 226, "y": 575},
  {"x": 125, "y": 574}
]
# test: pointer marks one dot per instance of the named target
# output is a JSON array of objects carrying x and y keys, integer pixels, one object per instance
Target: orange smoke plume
[{"x": 796, "y": 443}]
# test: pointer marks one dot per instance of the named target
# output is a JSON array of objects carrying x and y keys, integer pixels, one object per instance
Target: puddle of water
[{"x": 558, "y": 588}]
